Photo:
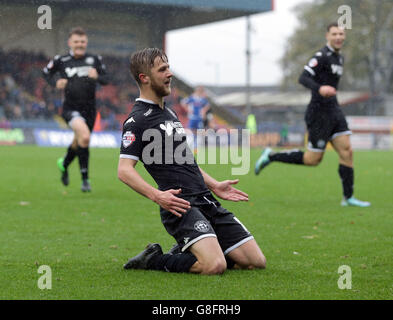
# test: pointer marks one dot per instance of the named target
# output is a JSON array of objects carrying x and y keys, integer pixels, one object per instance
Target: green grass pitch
[{"x": 294, "y": 214}]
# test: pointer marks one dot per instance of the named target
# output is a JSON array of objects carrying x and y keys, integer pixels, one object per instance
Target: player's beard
[{"x": 160, "y": 90}]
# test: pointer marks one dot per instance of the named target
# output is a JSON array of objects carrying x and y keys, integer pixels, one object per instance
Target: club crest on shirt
[
  {"x": 128, "y": 139},
  {"x": 313, "y": 63},
  {"x": 89, "y": 60}
]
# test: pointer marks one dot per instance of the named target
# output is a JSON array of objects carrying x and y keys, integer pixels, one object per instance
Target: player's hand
[
  {"x": 169, "y": 201},
  {"x": 61, "y": 83},
  {"x": 225, "y": 191},
  {"x": 327, "y": 91},
  {"x": 93, "y": 73}
]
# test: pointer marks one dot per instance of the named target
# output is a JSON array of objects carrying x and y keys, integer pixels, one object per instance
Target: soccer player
[
  {"x": 209, "y": 238},
  {"x": 78, "y": 74},
  {"x": 324, "y": 118}
]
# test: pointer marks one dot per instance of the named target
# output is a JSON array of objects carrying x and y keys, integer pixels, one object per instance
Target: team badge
[
  {"x": 201, "y": 226},
  {"x": 313, "y": 63},
  {"x": 128, "y": 139},
  {"x": 89, "y": 60}
]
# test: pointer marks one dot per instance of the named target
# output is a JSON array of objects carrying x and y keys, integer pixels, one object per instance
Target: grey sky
[{"x": 215, "y": 53}]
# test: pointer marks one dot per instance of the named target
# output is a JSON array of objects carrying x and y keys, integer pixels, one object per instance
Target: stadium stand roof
[
  {"x": 250, "y": 6},
  {"x": 282, "y": 99},
  {"x": 170, "y": 14}
]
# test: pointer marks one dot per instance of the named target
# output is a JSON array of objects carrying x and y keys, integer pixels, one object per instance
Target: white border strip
[
  {"x": 197, "y": 239},
  {"x": 127, "y": 156},
  {"x": 315, "y": 150},
  {"x": 339, "y": 134},
  {"x": 74, "y": 118},
  {"x": 237, "y": 245},
  {"x": 309, "y": 70},
  {"x": 145, "y": 100},
  {"x": 310, "y": 148}
]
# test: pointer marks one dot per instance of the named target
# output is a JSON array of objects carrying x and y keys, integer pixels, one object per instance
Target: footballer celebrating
[
  {"x": 209, "y": 238},
  {"x": 324, "y": 118},
  {"x": 77, "y": 73}
]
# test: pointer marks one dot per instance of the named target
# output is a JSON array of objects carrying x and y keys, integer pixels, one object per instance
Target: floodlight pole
[{"x": 248, "y": 66}]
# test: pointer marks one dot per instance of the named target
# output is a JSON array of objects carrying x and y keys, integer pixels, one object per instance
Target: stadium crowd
[{"x": 25, "y": 95}]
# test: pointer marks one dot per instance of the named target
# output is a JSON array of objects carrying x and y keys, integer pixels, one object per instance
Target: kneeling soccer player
[{"x": 209, "y": 238}]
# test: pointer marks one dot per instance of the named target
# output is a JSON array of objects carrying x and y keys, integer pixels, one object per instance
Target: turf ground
[{"x": 294, "y": 214}]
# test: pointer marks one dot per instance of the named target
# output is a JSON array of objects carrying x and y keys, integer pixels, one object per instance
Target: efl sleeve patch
[
  {"x": 313, "y": 63},
  {"x": 131, "y": 141},
  {"x": 128, "y": 139}
]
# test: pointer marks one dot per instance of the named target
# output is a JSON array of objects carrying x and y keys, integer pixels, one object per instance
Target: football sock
[
  {"x": 230, "y": 263},
  {"x": 291, "y": 156},
  {"x": 70, "y": 156},
  {"x": 83, "y": 154},
  {"x": 347, "y": 179},
  {"x": 181, "y": 262}
]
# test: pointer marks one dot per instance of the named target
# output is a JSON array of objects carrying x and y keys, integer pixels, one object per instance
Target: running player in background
[
  {"x": 77, "y": 73},
  {"x": 324, "y": 117}
]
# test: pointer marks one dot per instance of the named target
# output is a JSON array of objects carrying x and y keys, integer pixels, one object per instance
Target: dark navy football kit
[
  {"x": 324, "y": 117},
  {"x": 155, "y": 136},
  {"x": 79, "y": 93},
  {"x": 79, "y": 103}
]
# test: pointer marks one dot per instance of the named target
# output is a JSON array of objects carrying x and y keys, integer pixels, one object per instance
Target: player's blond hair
[{"x": 143, "y": 60}]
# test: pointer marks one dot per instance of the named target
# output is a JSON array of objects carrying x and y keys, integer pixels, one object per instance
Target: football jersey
[
  {"x": 324, "y": 68},
  {"x": 156, "y": 137},
  {"x": 80, "y": 90}
]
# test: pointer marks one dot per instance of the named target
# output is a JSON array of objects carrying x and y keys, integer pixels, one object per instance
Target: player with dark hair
[
  {"x": 324, "y": 118},
  {"x": 77, "y": 73},
  {"x": 209, "y": 238}
]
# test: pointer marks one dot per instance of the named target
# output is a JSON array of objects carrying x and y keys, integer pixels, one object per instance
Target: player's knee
[
  {"x": 258, "y": 263},
  {"x": 314, "y": 162},
  {"x": 312, "y": 159},
  {"x": 346, "y": 155},
  {"x": 84, "y": 140},
  {"x": 255, "y": 263},
  {"x": 349, "y": 153},
  {"x": 214, "y": 267}
]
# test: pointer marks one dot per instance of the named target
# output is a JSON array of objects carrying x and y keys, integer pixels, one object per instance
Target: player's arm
[
  {"x": 50, "y": 74},
  {"x": 130, "y": 153},
  {"x": 224, "y": 189},
  {"x": 307, "y": 78},
  {"x": 165, "y": 199}
]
